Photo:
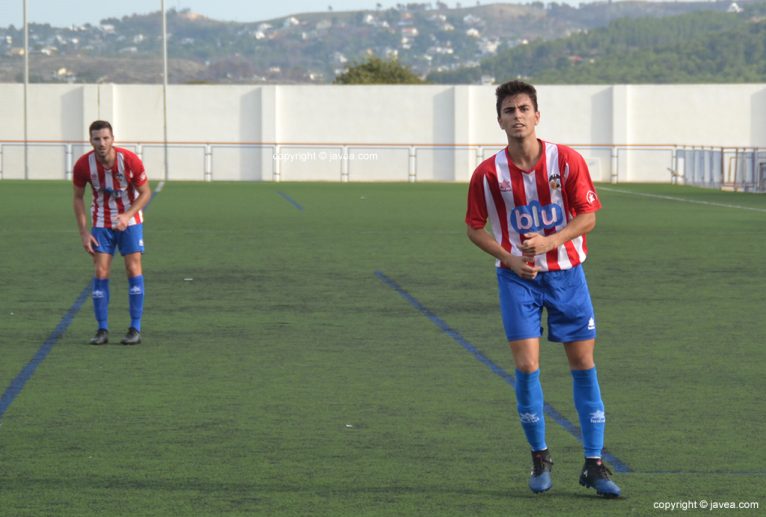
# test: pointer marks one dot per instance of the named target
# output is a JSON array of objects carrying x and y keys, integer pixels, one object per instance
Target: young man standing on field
[
  {"x": 120, "y": 190},
  {"x": 541, "y": 202}
]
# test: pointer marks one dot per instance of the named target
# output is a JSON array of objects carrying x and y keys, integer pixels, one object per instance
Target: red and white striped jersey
[
  {"x": 542, "y": 200},
  {"x": 114, "y": 190}
]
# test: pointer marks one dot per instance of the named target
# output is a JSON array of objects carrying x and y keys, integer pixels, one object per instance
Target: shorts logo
[
  {"x": 591, "y": 197},
  {"x": 535, "y": 217},
  {"x": 141, "y": 242},
  {"x": 529, "y": 418},
  {"x": 597, "y": 417},
  {"x": 591, "y": 324}
]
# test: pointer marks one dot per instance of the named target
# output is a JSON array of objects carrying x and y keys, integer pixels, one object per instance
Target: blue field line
[
  {"x": 291, "y": 201},
  {"x": 18, "y": 383},
  {"x": 560, "y": 419}
]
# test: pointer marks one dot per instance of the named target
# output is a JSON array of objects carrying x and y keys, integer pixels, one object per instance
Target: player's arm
[
  {"x": 537, "y": 244},
  {"x": 144, "y": 195},
  {"x": 88, "y": 241},
  {"x": 488, "y": 244}
]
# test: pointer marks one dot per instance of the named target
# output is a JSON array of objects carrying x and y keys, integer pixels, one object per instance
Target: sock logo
[
  {"x": 98, "y": 294},
  {"x": 529, "y": 418},
  {"x": 597, "y": 417},
  {"x": 135, "y": 290}
]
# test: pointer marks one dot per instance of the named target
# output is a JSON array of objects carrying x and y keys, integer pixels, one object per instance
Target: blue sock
[
  {"x": 100, "y": 295},
  {"x": 590, "y": 408},
  {"x": 136, "y": 300},
  {"x": 529, "y": 402}
]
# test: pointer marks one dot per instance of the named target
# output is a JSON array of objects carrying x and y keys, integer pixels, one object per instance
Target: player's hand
[
  {"x": 90, "y": 243},
  {"x": 121, "y": 223},
  {"x": 522, "y": 266},
  {"x": 535, "y": 244}
]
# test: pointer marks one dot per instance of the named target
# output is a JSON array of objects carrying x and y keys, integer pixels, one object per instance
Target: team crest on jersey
[
  {"x": 120, "y": 176},
  {"x": 554, "y": 181},
  {"x": 505, "y": 186}
]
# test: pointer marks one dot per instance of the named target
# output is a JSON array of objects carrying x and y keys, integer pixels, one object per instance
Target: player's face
[
  {"x": 518, "y": 117},
  {"x": 102, "y": 140}
]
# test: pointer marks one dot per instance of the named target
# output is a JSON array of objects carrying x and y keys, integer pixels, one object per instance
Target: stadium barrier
[
  {"x": 726, "y": 168},
  {"x": 742, "y": 169}
]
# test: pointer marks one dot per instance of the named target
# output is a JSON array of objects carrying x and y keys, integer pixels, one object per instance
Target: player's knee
[
  {"x": 527, "y": 365},
  {"x": 581, "y": 363},
  {"x": 133, "y": 268}
]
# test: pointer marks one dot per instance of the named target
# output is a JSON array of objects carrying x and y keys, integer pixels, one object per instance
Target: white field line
[{"x": 682, "y": 200}]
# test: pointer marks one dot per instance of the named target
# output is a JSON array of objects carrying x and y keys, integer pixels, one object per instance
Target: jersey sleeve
[
  {"x": 80, "y": 175},
  {"x": 580, "y": 191},
  {"x": 476, "y": 213},
  {"x": 138, "y": 174}
]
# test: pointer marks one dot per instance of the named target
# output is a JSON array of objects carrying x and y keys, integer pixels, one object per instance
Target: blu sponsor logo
[{"x": 535, "y": 217}]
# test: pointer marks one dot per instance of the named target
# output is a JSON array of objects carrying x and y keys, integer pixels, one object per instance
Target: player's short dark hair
[
  {"x": 511, "y": 88},
  {"x": 97, "y": 125}
]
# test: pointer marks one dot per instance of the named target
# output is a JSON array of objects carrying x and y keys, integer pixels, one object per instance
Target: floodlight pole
[
  {"x": 165, "y": 84},
  {"x": 26, "y": 86}
]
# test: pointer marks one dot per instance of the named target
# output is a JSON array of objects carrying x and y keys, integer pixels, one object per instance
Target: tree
[{"x": 378, "y": 71}]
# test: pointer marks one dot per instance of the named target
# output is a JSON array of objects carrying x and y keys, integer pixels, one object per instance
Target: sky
[{"x": 63, "y": 13}]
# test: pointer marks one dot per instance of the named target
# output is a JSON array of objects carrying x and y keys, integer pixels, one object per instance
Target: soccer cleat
[
  {"x": 540, "y": 478},
  {"x": 596, "y": 475},
  {"x": 133, "y": 337},
  {"x": 101, "y": 337}
]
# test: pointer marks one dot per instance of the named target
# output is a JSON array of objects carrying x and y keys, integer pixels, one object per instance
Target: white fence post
[
  {"x": 413, "y": 165},
  {"x": 344, "y": 164},
  {"x": 276, "y": 172},
  {"x": 68, "y": 161},
  {"x": 208, "y": 162}
]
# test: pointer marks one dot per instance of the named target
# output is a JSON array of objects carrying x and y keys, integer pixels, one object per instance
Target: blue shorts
[
  {"x": 565, "y": 296},
  {"x": 130, "y": 240}
]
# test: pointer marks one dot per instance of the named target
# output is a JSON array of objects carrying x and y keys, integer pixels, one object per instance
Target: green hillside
[{"x": 696, "y": 47}]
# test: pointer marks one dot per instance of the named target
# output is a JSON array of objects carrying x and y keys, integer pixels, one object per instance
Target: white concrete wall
[{"x": 369, "y": 133}]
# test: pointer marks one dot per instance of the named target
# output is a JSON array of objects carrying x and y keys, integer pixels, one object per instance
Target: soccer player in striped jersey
[
  {"x": 541, "y": 203},
  {"x": 120, "y": 190}
]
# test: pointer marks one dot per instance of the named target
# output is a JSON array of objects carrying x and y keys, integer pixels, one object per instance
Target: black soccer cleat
[
  {"x": 133, "y": 337},
  {"x": 101, "y": 337},
  {"x": 596, "y": 475},
  {"x": 540, "y": 478}
]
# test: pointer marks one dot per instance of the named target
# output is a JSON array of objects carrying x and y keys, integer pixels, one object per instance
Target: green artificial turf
[{"x": 280, "y": 375}]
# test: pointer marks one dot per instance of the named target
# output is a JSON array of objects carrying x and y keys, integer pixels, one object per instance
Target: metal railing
[{"x": 728, "y": 168}]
